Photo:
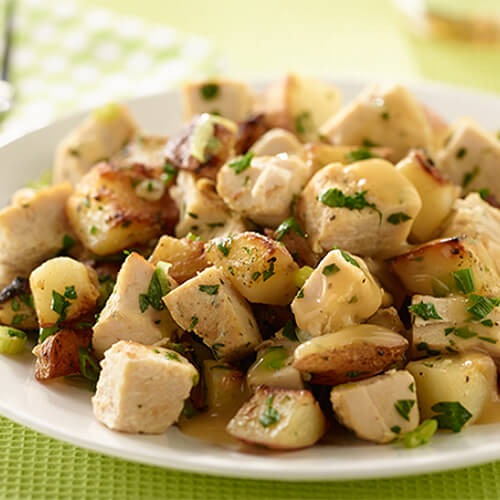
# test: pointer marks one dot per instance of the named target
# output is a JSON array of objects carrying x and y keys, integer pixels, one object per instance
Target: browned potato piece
[
  {"x": 58, "y": 355},
  {"x": 436, "y": 268},
  {"x": 187, "y": 256},
  {"x": 388, "y": 317},
  {"x": 113, "y": 209},
  {"x": 16, "y": 312},
  {"x": 260, "y": 268},
  {"x": 249, "y": 131},
  {"x": 350, "y": 354},
  {"x": 283, "y": 419},
  {"x": 144, "y": 149}
]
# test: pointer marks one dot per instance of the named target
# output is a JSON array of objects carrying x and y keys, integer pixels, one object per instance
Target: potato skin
[
  {"x": 260, "y": 268},
  {"x": 58, "y": 356}
]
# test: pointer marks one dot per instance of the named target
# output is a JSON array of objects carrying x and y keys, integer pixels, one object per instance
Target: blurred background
[{"x": 76, "y": 54}]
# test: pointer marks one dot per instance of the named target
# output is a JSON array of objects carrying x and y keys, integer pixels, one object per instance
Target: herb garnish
[
  {"x": 451, "y": 415},
  {"x": 359, "y": 155},
  {"x": 289, "y": 331},
  {"x": 404, "y": 406},
  {"x": 159, "y": 286},
  {"x": 464, "y": 280},
  {"x": 424, "y": 346},
  {"x": 421, "y": 435},
  {"x": 461, "y": 153},
  {"x": 480, "y": 306},
  {"x": 270, "y": 415},
  {"x": 349, "y": 259},
  {"x": 425, "y": 310},
  {"x": 209, "y": 91},
  {"x": 241, "y": 163},
  {"x": 303, "y": 122},
  {"x": 269, "y": 272},
  {"x": 194, "y": 322},
  {"x": 398, "y": 218},
  {"x": 169, "y": 172},
  {"x": 469, "y": 176},
  {"x": 274, "y": 358},
  {"x": 334, "y": 197},
  {"x": 330, "y": 269},
  {"x": 209, "y": 289},
  {"x": 89, "y": 367},
  {"x": 286, "y": 226},
  {"x": 224, "y": 246}
]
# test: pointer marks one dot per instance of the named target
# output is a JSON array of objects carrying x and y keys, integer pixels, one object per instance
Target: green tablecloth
[{"x": 261, "y": 37}]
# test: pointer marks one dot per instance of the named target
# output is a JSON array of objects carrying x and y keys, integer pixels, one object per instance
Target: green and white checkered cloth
[{"x": 67, "y": 58}]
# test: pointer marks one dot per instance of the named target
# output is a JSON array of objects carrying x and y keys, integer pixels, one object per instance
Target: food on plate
[{"x": 276, "y": 265}]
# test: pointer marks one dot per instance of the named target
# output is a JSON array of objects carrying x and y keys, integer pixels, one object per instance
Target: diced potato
[
  {"x": 386, "y": 115},
  {"x": 101, "y": 135},
  {"x": 63, "y": 290},
  {"x": 471, "y": 157},
  {"x": 380, "y": 408},
  {"x": 467, "y": 379},
  {"x": 388, "y": 317},
  {"x": 186, "y": 256},
  {"x": 229, "y": 98},
  {"x": 202, "y": 210},
  {"x": 209, "y": 306},
  {"x": 353, "y": 353},
  {"x": 203, "y": 146},
  {"x": 436, "y": 268},
  {"x": 260, "y": 269},
  {"x": 276, "y": 141},
  {"x": 366, "y": 208},
  {"x": 32, "y": 229},
  {"x": 449, "y": 326},
  {"x": 479, "y": 220},
  {"x": 301, "y": 104},
  {"x": 339, "y": 293},
  {"x": 264, "y": 190},
  {"x": 144, "y": 149},
  {"x": 142, "y": 388},
  {"x": 436, "y": 192},
  {"x": 16, "y": 312},
  {"x": 113, "y": 209},
  {"x": 224, "y": 385},
  {"x": 127, "y": 315},
  {"x": 284, "y": 419},
  {"x": 58, "y": 355}
]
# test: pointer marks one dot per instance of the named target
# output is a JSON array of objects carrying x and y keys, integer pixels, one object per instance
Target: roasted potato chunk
[
  {"x": 209, "y": 306},
  {"x": 436, "y": 191},
  {"x": 144, "y": 149},
  {"x": 101, "y": 135},
  {"x": 454, "y": 389},
  {"x": 440, "y": 267},
  {"x": 380, "y": 408},
  {"x": 300, "y": 104},
  {"x": 350, "y": 354},
  {"x": 16, "y": 305},
  {"x": 63, "y": 290},
  {"x": 339, "y": 293},
  {"x": 276, "y": 141},
  {"x": 260, "y": 269},
  {"x": 186, "y": 256},
  {"x": 366, "y": 208},
  {"x": 283, "y": 419},
  {"x": 388, "y": 317},
  {"x": 58, "y": 355},
  {"x": 113, "y": 209}
]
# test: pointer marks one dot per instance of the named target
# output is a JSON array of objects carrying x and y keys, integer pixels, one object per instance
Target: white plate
[{"x": 61, "y": 411}]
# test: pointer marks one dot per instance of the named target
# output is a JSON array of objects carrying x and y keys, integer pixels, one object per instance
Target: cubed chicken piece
[
  {"x": 276, "y": 141},
  {"x": 258, "y": 267},
  {"x": 59, "y": 354},
  {"x": 301, "y": 105},
  {"x": 380, "y": 408},
  {"x": 144, "y": 149},
  {"x": 63, "y": 290},
  {"x": 340, "y": 292},
  {"x": 453, "y": 265},
  {"x": 228, "y": 98},
  {"x": 353, "y": 353},
  {"x": 454, "y": 389},
  {"x": 264, "y": 189},
  {"x": 32, "y": 231},
  {"x": 186, "y": 256},
  {"x": 479, "y": 220},
  {"x": 455, "y": 324},
  {"x": 135, "y": 310},
  {"x": 388, "y": 317},
  {"x": 367, "y": 208},
  {"x": 386, "y": 115},
  {"x": 471, "y": 158},
  {"x": 112, "y": 209},
  {"x": 203, "y": 146},
  {"x": 436, "y": 191},
  {"x": 225, "y": 386},
  {"x": 101, "y": 135},
  {"x": 202, "y": 211},
  {"x": 142, "y": 388},
  {"x": 209, "y": 306},
  {"x": 283, "y": 419}
]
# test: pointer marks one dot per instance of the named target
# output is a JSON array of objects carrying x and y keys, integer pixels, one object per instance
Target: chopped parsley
[
  {"x": 213, "y": 225},
  {"x": 451, "y": 415},
  {"x": 70, "y": 292},
  {"x": 487, "y": 322},
  {"x": 484, "y": 193},
  {"x": 60, "y": 305},
  {"x": 424, "y": 346},
  {"x": 270, "y": 415},
  {"x": 67, "y": 243},
  {"x": 269, "y": 272},
  {"x": 300, "y": 295},
  {"x": 330, "y": 269},
  {"x": 209, "y": 289},
  {"x": 334, "y": 197},
  {"x": 224, "y": 246},
  {"x": 359, "y": 155},
  {"x": 404, "y": 406},
  {"x": 18, "y": 319},
  {"x": 47, "y": 332},
  {"x": 461, "y": 153},
  {"x": 367, "y": 143},
  {"x": 487, "y": 339},
  {"x": 463, "y": 333},
  {"x": 194, "y": 322},
  {"x": 396, "y": 429},
  {"x": 159, "y": 286},
  {"x": 169, "y": 172},
  {"x": 303, "y": 122},
  {"x": 242, "y": 163},
  {"x": 464, "y": 280},
  {"x": 469, "y": 176},
  {"x": 480, "y": 306},
  {"x": 172, "y": 356},
  {"x": 192, "y": 215},
  {"x": 286, "y": 226},
  {"x": 15, "y": 305},
  {"x": 256, "y": 276},
  {"x": 289, "y": 331},
  {"x": 398, "y": 218},
  {"x": 89, "y": 367},
  {"x": 209, "y": 91},
  {"x": 421, "y": 435},
  {"x": 412, "y": 387},
  {"x": 384, "y": 115},
  {"x": 425, "y": 310},
  {"x": 349, "y": 259}
]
